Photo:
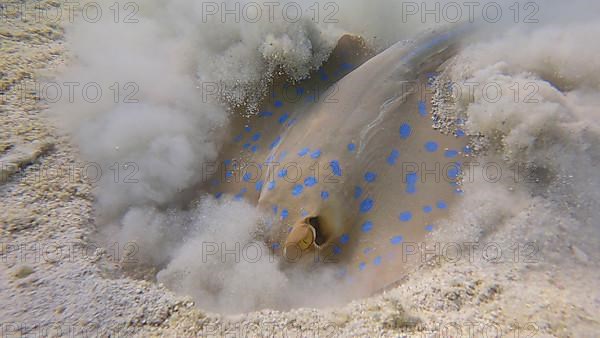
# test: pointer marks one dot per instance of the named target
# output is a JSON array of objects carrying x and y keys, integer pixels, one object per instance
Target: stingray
[{"x": 348, "y": 163}]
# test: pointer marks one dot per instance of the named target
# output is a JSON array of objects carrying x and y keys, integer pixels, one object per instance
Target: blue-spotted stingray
[{"x": 348, "y": 162}]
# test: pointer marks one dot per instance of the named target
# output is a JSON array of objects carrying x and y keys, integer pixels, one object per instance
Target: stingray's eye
[
  {"x": 305, "y": 234},
  {"x": 315, "y": 223},
  {"x": 302, "y": 236},
  {"x": 306, "y": 242}
]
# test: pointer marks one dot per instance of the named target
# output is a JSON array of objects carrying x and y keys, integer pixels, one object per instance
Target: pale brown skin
[{"x": 370, "y": 106}]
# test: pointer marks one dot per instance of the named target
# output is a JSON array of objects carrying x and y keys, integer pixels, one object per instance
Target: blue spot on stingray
[
  {"x": 467, "y": 150},
  {"x": 451, "y": 153},
  {"x": 411, "y": 183},
  {"x": 292, "y": 122},
  {"x": 427, "y": 209},
  {"x": 431, "y": 76},
  {"x": 283, "y": 118},
  {"x": 238, "y": 138},
  {"x": 431, "y": 146},
  {"x": 316, "y": 154},
  {"x": 265, "y": 114},
  {"x": 278, "y": 103},
  {"x": 377, "y": 260},
  {"x": 303, "y": 152},
  {"x": 393, "y": 158},
  {"x": 405, "y": 131},
  {"x": 323, "y": 76},
  {"x": 396, "y": 240},
  {"x": 357, "y": 192},
  {"x": 218, "y": 195},
  {"x": 227, "y": 162},
  {"x": 367, "y": 226},
  {"x": 303, "y": 213},
  {"x": 240, "y": 194},
  {"x": 299, "y": 91},
  {"x": 275, "y": 246},
  {"x": 422, "y": 108},
  {"x": 284, "y": 214},
  {"x": 255, "y": 137},
  {"x": 441, "y": 204},
  {"x": 275, "y": 143},
  {"x": 246, "y": 145},
  {"x": 311, "y": 98},
  {"x": 310, "y": 181},
  {"x": 366, "y": 205},
  {"x": 282, "y": 173},
  {"x": 370, "y": 176},
  {"x": 271, "y": 185},
  {"x": 346, "y": 66},
  {"x": 247, "y": 177},
  {"x": 344, "y": 239},
  {"x": 429, "y": 228},
  {"x": 324, "y": 195},
  {"x": 229, "y": 174},
  {"x": 351, "y": 147},
  {"x": 282, "y": 155},
  {"x": 337, "y": 250},
  {"x": 275, "y": 208},
  {"x": 254, "y": 148},
  {"x": 453, "y": 173},
  {"x": 362, "y": 266},
  {"x": 297, "y": 190},
  {"x": 247, "y": 128},
  {"x": 335, "y": 168},
  {"x": 460, "y": 133},
  {"x": 405, "y": 216}
]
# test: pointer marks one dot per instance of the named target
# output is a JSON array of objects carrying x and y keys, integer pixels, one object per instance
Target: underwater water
[{"x": 366, "y": 97}]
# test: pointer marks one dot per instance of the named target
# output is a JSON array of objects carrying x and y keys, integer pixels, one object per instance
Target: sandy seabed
[{"x": 48, "y": 283}]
